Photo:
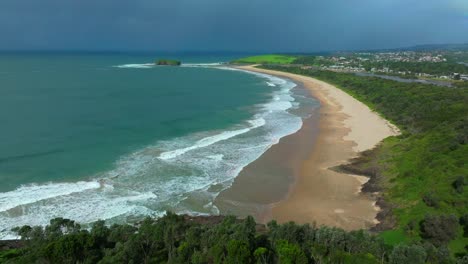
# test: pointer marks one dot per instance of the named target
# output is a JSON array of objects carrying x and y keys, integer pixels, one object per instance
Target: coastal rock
[{"x": 168, "y": 62}]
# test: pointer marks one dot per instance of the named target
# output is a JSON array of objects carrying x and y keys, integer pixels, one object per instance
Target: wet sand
[
  {"x": 267, "y": 180},
  {"x": 292, "y": 181}
]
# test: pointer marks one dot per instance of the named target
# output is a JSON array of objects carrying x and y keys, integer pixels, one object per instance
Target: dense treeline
[
  {"x": 421, "y": 173},
  {"x": 434, "y": 68},
  {"x": 178, "y": 239},
  {"x": 313, "y": 61},
  {"x": 458, "y": 56}
]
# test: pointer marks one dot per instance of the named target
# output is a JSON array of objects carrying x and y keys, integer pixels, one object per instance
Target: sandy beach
[{"x": 341, "y": 128}]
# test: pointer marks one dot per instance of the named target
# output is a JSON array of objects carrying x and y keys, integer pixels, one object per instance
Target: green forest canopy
[{"x": 179, "y": 239}]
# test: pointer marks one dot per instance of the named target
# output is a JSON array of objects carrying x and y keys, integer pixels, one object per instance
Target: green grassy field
[{"x": 267, "y": 59}]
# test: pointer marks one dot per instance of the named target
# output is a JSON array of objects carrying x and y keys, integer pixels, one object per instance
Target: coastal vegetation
[
  {"x": 420, "y": 174},
  {"x": 182, "y": 239},
  {"x": 266, "y": 59},
  {"x": 168, "y": 62}
]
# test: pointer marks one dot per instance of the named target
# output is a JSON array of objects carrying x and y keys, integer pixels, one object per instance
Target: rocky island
[{"x": 168, "y": 62}]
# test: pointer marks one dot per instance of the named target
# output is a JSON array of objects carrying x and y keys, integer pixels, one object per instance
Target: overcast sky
[{"x": 230, "y": 25}]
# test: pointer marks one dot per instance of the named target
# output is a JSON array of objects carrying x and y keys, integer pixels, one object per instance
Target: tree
[
  {"x": 439, "y": 229},
  {"x": 100, "y": 232},
  {"x": 198, "y": 258},
  {"x": 440, "y": 255},
  {"x": 413, "y": 254},
  {"x": 59, "y": 226},
  {"x": 290, "y": 253},
  {"x": 261, "y": 255},
  {"x": 72, "y": 248},
  {"x": 237, "y": 252}
]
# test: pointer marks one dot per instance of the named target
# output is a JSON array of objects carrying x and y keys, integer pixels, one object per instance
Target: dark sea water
[{"x": 111, "y": 136}]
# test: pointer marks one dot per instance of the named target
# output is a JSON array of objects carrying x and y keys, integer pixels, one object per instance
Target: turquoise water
[
  {"x": 66, "y": 117},
  {"x": 89, "y": 136}
]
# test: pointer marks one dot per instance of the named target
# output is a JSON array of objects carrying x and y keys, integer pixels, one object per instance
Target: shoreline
[
  {"x": 267, "y": 180},
  {"x": 316, "y": 193}
]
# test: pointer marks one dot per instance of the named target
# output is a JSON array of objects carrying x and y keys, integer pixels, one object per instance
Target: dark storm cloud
[{"x": 240, "y": 25}]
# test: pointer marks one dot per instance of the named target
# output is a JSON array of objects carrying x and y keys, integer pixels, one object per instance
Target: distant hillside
[
  {"x": 434, "y": 47},
  {"x": 424, "y": 47}
]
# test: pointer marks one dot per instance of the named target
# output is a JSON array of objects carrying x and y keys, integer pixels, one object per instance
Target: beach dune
[{"x": 344, "y": 128}]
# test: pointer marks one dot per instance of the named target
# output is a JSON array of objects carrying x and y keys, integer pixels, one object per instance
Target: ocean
[{"x": 114, "y": 137}]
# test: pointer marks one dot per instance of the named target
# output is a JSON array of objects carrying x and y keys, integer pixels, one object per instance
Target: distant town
[
  {"x": 441, "y": 65},
  {"x": 444, "y": 65}
]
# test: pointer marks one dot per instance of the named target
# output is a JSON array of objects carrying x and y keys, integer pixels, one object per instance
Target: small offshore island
[{"x": 168, "y": 62}]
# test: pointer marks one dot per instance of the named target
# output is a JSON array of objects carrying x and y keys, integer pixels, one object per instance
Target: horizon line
[{"x": 214, "y": 51}]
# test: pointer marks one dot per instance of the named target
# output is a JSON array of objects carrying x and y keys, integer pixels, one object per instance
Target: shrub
[
  {"x": 261, "y": 255},
  {"x": 431, "y": 200},
  {"x": 290, "y": 253},
  {"x": 464, "y": 223},
  {"x": 237, "y": 252},
  {"x": 439, "y": 229},
  {"x": 440, "y": 255},
  {"x": 459, "y": 184},
  {"x": 413, "y": 254}
]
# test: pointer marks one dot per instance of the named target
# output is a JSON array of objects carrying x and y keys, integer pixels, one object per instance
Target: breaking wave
[
  {"x": 135, "y": 66},
  {"x": 212, "y": 139},
  {"x": 181, "y": 174}
]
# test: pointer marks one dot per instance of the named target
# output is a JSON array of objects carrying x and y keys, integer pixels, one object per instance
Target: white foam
[
  {"x": 258, "y": 122},
  {"x": 148, "y": 182},
  {"x": 202, "y": 65},
  {"x": 84, "y": 208},
  {"x": 205, "y": 142},
  {"x": 202, "y": 143},
  {"x": 285, "y": 84},
  {"x": 271, "y": 84},
  {"x": 9, "y": 237},
  {"x": 34, "y": 193},
  {"x": 216, "y": 157},
  {"x": 135, "y": 66}
]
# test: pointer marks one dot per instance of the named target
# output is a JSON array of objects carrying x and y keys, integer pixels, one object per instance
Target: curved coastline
[
  {"x": 291, "y": 180},
  {"x": 341, "y": 128},
  {"x": 208, "y": 151}
]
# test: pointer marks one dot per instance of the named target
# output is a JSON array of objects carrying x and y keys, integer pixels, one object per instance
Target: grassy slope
[
  {"x": 426, "y": 159},
  {"x": 267, "y": 59}
]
